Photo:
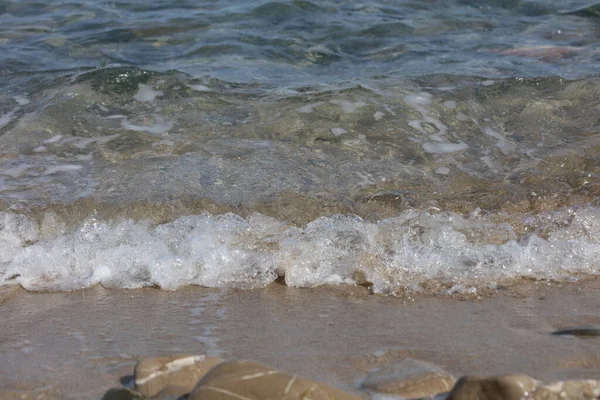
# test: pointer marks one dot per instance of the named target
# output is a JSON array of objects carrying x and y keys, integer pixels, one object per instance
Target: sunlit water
[{"x": 429, "y": 146}]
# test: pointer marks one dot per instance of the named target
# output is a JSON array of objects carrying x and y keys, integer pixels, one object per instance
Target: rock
[
  {"x": 247, "y": 380},
  {"x": 121, "y": 394},
  {"x": 516, "y": 387},
  {"x": 508, "y": 387},
  {"x": 176, "y": 374},
  {"x": 568, "y": 390},
  {"x": 585, "y": 330},
  {"x": 7, "y": 291},
  {"x": 410, "y": 379}
]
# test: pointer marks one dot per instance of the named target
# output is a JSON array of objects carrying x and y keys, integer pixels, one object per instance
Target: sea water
[{"x": 426, "y": 146}]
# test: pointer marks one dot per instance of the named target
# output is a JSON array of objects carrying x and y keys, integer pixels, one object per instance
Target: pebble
[
  {"x": 523, "y": 387},
  {"x": 121, "y": 394},
  {"x": 410, "y": 379},
  {"x": 568, "y": 390},
  {"x": 507, "y": 387},
  {"x": 175, "y": 374},
  {"x": 247, "y": 380},
  {"x": 208, "y": 378},
  {"x": 442, "y": 171}
]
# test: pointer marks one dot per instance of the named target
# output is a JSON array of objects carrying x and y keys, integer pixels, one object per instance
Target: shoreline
[{"x": 79, "y": 344}]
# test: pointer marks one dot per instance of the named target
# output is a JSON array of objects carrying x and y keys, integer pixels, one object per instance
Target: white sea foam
[
  {"x": 438, "y": 144},
  {"x": 82, "y": 143},
  {"x": 228, "y": 250},
  {"x": 145, "y": 93},
  {"x": 8, "y": 117},
  {"x": 16, "y": 169},
  {"x": 53, "y": 139},
  {"x": 160, "y": 127},
  {"x": 442, "y": 170},
  {"x": 309, "y": 108},
  {"x": 21, "y": 100},
  {"x": 200, "y": 88},
  {"x": 461, "y": 116},
  {"x": 53, "y": 169},
  {"x": 349, "y": 106},
  {"x": 451, "y": 104},
  {"x": 445, "y": 147},
  {"x": 338, "y": 131},
  {"x": 503, "y": 144}
]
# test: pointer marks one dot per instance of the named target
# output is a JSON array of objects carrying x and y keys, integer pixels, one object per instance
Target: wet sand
[{"x": 76, "y": 345}]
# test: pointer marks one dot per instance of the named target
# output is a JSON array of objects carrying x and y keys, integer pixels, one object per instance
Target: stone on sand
[
  {"x": 568, "y": 390},
  {"x": 175, "y": 374},
  {"x": 122, "y": 394},
  {"x": 507, "y": 387},
  {"x": 247, "y": 380},
  {"x": 517, "y": 387},
  {"x": 410, "y": 379}
]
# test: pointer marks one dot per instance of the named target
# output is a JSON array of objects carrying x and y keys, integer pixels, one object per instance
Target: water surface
[{"x": 430, "y": 146}]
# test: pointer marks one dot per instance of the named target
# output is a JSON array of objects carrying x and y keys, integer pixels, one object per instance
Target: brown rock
[
  {"x": 247, "y": 380},
  {"x": 508, "y": 387},
  {"x": 176, "y": 374},
  {"x": 7, "y": 291},
  {"x": 410, "y": 379},
  {"x": 121, "y": 394},
  {"x": 568, "y": 390}
]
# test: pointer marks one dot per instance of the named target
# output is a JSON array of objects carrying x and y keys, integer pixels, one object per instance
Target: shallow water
[
  {"x": 75, "y": 345},
  {"x": 436, "y": 147}
]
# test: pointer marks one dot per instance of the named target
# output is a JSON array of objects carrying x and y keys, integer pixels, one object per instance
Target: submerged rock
[
  {"x": 175, "y": 374},
  {"x": 410, "y": 379},
  {"x": 119, "y": 80},
  {"x": 249, "y": 380}
]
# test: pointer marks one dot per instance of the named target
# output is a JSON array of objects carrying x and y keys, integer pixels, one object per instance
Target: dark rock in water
[
  {"x": 116, "y": 79},
  {"x": 410, "y": 379},
  {"x": 508, "y": 387},
  {"x": 176, "y": 375},
  {"x": 122, "y": 394},
  {"x": 589, "y": 11},
  {"x": 584, "y": 330},
  {"x": 253, "y": 381},
  {"x": 397, "y": 199}
]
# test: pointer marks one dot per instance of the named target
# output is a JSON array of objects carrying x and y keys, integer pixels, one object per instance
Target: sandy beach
[{"x": 76, "y": 345}]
